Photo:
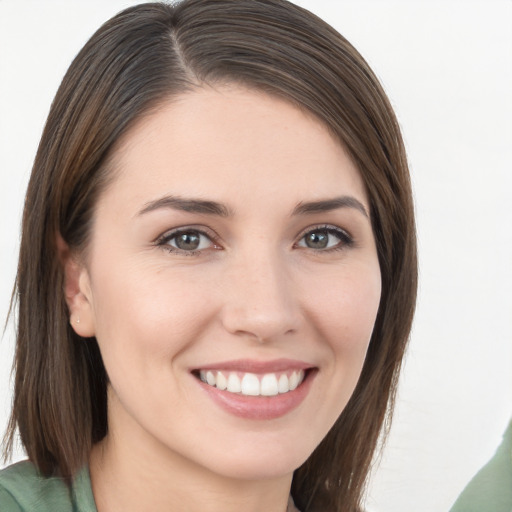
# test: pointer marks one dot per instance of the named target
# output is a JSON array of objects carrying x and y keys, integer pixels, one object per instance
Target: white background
[{"x": 446, "y": 66}]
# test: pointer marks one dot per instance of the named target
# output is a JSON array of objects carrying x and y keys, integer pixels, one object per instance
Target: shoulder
[
  {"x": 491, "y": 487},
  {"x": 23, "y": 489}
]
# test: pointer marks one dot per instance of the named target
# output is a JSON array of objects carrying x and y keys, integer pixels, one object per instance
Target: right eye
[{"x": 190, "y": 241}]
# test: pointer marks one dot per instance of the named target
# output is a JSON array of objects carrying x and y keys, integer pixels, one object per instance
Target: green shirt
[
  {"x": 23, "y": 489},
  {"x": 490, "y": 490}
]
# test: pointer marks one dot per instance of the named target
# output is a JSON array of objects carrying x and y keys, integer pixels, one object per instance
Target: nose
[{"x": 260, "y": 300}]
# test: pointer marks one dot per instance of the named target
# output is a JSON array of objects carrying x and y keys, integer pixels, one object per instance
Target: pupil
[
  {"x": 187, "y": 241},
  {"x": 317, "y": 240}
]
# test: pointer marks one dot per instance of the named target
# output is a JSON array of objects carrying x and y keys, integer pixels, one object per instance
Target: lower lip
[{"x": 260, "y": 407}]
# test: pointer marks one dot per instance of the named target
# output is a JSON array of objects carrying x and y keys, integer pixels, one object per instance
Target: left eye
[
  {"x": 188, "y": 241},
  {"x": 325, "y": 238}
]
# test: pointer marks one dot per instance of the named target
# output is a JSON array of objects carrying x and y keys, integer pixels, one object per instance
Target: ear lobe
[{"x": 77, "y": 290}]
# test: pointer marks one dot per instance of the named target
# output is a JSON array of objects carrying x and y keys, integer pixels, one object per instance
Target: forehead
[{"x": 212, "y": 142}]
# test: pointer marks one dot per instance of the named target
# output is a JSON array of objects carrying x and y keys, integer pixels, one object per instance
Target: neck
[{"x": 133, "y": 472}]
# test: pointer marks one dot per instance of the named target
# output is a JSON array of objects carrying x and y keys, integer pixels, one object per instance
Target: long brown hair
[{"x": 137, "y": 60}]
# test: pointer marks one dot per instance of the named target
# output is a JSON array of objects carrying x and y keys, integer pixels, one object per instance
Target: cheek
[
  {"x": 345, "y": 315},
  {"x": 348, "y": 305},
  {"x": 145, "y": 317},
  {"x": 342, "y": 309}
]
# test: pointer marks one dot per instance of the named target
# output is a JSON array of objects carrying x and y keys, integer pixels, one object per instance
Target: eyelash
[
  {"x": 165, "y": 239},
  {"x": 345, "y": 239}
]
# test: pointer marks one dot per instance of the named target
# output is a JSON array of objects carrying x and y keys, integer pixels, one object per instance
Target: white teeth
[
  {"x": 269, "y": 385},
  {"x": 283, "y": 385},
  {"x": 234, "y": 385},
  {"x": 250, "y": 384},
  {"x": 222, "y": 382},
  {"x": 294, "y": 381}
]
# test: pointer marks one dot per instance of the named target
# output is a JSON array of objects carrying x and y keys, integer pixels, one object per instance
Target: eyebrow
[
  {"x": 206, "y": 207},
  {"x": 188, "y": 205},
  {"x": 328, "y": 205}
]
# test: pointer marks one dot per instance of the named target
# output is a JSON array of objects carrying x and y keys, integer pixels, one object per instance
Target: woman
[{"x": 217, "y": 270}]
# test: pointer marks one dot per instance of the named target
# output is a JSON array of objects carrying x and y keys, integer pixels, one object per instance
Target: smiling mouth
[
  {"x": 257, "y": 390},
  {"x": 252, "y": 384}
]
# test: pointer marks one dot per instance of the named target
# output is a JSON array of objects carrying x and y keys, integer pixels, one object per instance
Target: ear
[{"x": 77, "y": 290}]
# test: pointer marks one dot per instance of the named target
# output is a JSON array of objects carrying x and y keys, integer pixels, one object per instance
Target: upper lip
[{"x": 255, "y": 366}]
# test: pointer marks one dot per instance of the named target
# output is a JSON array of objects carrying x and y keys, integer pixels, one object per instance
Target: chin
[
  {"x": 273, "y": 466},
  {"x": 259, "y": 459}
]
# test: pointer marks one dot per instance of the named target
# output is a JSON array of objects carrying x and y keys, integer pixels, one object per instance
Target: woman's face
[{"x": 232, "y": 283}]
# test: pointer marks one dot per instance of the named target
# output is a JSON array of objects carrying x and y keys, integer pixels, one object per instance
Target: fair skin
[{"x": 276, "y": 275}]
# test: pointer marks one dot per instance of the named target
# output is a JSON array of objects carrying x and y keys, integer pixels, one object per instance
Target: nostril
[{"x": 260, "y": 325}]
